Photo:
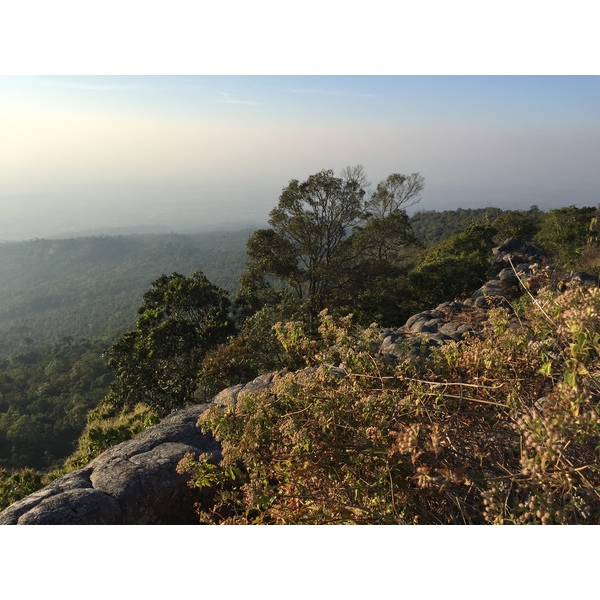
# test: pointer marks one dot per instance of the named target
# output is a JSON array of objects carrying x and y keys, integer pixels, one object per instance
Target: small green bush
[
  {"x": 109, "y": 425},
  {"x": 15, "y": 485}
]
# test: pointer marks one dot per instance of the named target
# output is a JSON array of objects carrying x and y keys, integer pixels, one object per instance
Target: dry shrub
[{"x": 503, "y": 429}]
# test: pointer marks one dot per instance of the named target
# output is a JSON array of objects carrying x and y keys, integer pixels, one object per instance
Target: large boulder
[{"x": 133, "y": 483}]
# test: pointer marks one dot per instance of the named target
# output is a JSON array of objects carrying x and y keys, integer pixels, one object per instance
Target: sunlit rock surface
[{"x": 132, "y": 483}]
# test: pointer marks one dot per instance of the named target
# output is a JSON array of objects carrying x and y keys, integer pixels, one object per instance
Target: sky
[{"x": 87, "y": 152}]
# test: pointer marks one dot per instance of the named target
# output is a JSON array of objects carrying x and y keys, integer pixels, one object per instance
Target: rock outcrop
[
  {"x": 513, "y": 262},
  {"x": 136, "y": 482},
  {"x": 132, "y": 483}
]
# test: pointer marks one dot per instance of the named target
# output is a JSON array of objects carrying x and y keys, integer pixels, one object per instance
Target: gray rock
[
  {"x": 230, "y": 395},
  {"x": 425, "y": 325},
  {"x": 508, "y": 276},
  {"x": 523, "y": 268},
  {"x": 133, "y": 483},
  {"x": 453, "y": 306},
  {"x": 455, "y": 331},
  {"x": 260, "y": 383},
  {"x": 516, "y": 251},
  {"x": 146, "y": 486},
  {"x": 389, "y": 339},
  {"x": 74, "y": 507},
  {"x": 436, "y": 338},
  {"x": 584, "y": 279},
  {"x": 494, "y": 287},
  {"x": 423, "y": 316}
]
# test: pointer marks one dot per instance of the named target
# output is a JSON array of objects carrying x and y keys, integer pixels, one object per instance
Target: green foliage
[
  {"x": 328, "y": 239},
  {"x": 253, "y": 351},
  {"x": 108, "y": 425},
  {"x": 502, "y": 429},
  {"x": 389, "y": 300},
  {"x": 588, "y": 260},
  {"x": 456, "y": 267},
  {"x": 181, "y": 319},
  {"x": 566, "y": 232},
  {"x": 306, "y": 245},
  {"x": 18, "y": 484},
  {"x": 432, "y": 226},
  {"x": 91, "y": 287},
  {"x": 519, "y": 224},
  {"x": 45, "y": 396}
]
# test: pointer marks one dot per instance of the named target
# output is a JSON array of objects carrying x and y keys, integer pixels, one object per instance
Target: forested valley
[
  {"x": 100, "y": 337},
  {"x": 91, "y": 287}
]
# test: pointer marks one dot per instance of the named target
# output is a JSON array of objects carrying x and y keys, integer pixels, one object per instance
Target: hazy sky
[{"x": 83, "y": 152}]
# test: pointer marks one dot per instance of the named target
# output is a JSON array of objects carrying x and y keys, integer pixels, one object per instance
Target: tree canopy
[
  {"x": 565, "y": 232},
  {"x": 327, "y": 233},
  {"x": 180, "y": 320},
  {"x": 456, "y": 267}
]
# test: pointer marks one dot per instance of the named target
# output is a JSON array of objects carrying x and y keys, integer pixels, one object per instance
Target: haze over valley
[{"x": 101, "y": 154}]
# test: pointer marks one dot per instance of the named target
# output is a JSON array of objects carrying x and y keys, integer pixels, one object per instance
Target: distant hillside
[
  {"x": 51, "y": 289},
  {"x": 432, "y": 226},
  {"x": 90, "y": 287}
]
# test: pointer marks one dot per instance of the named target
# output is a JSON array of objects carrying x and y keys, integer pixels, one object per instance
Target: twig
[
  {"x": 470, "y": 399},
  {"x": 531, "y": 295},
  {"x": 440, "y": 383}
]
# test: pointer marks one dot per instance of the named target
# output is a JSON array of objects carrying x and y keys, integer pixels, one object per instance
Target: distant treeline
[
  {"x": 45, "y": 396},
  {"x": 432, "y": 226},
  {"x": 91, "y": 287}
]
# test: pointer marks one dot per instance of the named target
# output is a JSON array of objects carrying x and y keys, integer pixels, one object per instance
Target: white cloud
[
  {"x": 227, "y": 99},
  {"x": 329, "y": 93}
]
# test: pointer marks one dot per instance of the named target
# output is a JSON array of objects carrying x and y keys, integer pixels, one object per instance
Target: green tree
[
  {"x": 181, "y": 319},
  {"x": 456, "y": 267},
  {"x": 520, "y": 224},
  {"x": 326, "y": 235},
  {"x": 566, "y": 231},
  {"x": 253, "y": 351},
  {"x": 432, "y": 226}
]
